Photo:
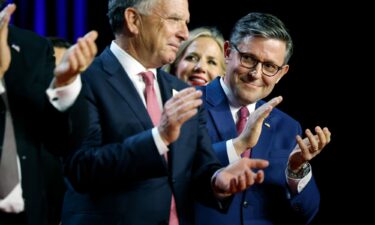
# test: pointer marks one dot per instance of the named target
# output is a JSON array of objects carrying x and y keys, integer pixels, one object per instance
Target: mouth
[
  {"x": 196, "y": 80},
  {"x": 174, "y": 47},
  {"x": 250, "y": 84}
]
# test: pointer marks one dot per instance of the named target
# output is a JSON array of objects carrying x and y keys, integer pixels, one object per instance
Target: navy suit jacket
[
  {"x": 118, "y": 176},
  {"x": 270, "y": 202},
  {"x": 37, "y": 126}
]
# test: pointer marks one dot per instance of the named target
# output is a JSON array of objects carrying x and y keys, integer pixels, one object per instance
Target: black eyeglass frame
[{"x": 242, "y": 54}]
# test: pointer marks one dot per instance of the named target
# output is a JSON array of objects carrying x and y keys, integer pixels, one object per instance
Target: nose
[
  {"x": 200, "y": 66},
  {"x": 256, "y": 71},
  {"x": 183, "y": 34}
]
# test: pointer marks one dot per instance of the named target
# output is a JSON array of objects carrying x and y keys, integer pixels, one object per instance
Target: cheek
[
  {"x": 269, "y": 82},
  {"x": 183, "y": 70},
  {"x": 213, "y": 73}
]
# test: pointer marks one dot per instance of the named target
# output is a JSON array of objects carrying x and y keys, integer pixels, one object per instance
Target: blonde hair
[{"x": 194, "y": 34}]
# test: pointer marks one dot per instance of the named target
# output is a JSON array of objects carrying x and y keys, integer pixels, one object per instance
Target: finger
[
  {"x": 7, "y": 12},
  {"x": 244, "y": 181},
  {"x": 88, "y": 47},
  {"x": 5, "y": 15},
  {"x": 259, "y": 177},
  {"x": 79, "y": 54},
  {"x": 312, "y": 140},
  {"x": 92, "y": 35},
  {"x": 188, "y": 110},
  {"x": 275, "y": 101},
  {"x": 72, "y": 60},
  {"x": 327, "y": 134},
  {"x": 321, "y": 136},
  {"x": 257, "y": 163},
  {"x": 305, "y": 152},
  {"x": 233, "y": 186}
]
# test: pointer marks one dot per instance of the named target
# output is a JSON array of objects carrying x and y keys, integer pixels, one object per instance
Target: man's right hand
[
  {"x": 250, "y": 135},
  {"x": 177, "y": 110}
]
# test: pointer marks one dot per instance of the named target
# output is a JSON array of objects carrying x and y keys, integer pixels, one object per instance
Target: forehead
[
  {"x": 204, "y": 44},
  {"x": 264, "y": 48},
  {"x": 178, "y": 7}
]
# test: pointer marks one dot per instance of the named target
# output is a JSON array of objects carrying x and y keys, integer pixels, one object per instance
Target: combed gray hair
[
  {"x": 262, "y": 25},
  {"x": 116, "y": 10}
]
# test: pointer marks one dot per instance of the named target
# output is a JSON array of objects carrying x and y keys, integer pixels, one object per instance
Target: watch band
[{"x": 302, "y": 172}]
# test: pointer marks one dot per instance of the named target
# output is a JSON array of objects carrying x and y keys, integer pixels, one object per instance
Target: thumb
[{"x": 92, "y": 35}]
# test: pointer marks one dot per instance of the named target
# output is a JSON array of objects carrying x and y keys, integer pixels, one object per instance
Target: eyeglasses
[{"x": 249, "y": 61}]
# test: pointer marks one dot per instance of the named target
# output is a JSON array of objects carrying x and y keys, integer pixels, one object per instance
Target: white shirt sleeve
[
  {"x": 231, "y": 151},
  {"x": 160, "y": 145},
  {"x": 2, "y": 88},
  {"x": 297, "y": 185},
  {"x": 14, "y": 203},
  {"x": 63, "y": 97}
]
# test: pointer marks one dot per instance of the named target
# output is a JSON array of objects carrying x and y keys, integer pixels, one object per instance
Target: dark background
[{"x": 326, "y": 85}]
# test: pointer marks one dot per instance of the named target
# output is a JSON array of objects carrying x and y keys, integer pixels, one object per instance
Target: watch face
[{"x": 300, "y": 173}]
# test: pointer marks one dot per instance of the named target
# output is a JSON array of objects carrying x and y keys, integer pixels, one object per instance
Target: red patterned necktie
[
  {"x": 241, "y": 123},
  {"x": 153, "y": 110}
]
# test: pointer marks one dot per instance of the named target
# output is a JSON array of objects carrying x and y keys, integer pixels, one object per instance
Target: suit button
[
  {"x": 245, "y": 204},
  {"x": 297, "y": 207},
  {"x": 23, "y": 157}
]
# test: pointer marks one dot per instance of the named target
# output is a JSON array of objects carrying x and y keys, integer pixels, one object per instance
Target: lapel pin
[
  {"x": 267, "y": 125},
  {"x": 16, "y": 47}
]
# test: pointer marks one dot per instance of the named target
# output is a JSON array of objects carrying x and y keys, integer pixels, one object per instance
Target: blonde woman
[{"x": 200, "y": 59}]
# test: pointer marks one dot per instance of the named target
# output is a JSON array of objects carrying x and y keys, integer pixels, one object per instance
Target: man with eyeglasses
[{"x": 256, "y": 59}]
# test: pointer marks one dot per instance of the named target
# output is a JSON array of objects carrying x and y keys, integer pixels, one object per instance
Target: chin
[{"x": 170, "y": 59}]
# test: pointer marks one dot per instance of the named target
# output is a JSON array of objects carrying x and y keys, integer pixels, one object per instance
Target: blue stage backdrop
[{"x": 62, "y": 18}]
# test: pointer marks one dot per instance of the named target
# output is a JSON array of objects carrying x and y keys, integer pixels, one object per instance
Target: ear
[
  {"x": 132, "y": 20},
  {"x": 283, "y": 71},
  {"x": 227, "y": 50}
]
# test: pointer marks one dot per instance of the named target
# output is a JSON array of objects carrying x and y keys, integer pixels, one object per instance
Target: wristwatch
[{"x": 301, "y": 173}]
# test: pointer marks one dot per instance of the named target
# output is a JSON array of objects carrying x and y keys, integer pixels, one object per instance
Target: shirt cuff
[
  {"x": 231, "y": 152},
  {"x": 64, "y": 97},
  {"x": 160, "y": 145},
  {"x": 2, "y": 88},
  {"x": 297, "y": 185},
  {"x": 13, "y": 203}
]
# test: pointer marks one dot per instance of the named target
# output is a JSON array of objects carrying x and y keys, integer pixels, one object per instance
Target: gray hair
[
  {"x": 262, "y": 25},
  {"x": 194, "y": 34},
  {"x": 116, "y": 10}
]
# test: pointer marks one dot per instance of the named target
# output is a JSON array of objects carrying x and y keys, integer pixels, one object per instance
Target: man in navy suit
[
  {"x": 256, "y": 56},
  {"x": 130, "y": 167},
  {"x": 40, "y": 121}
]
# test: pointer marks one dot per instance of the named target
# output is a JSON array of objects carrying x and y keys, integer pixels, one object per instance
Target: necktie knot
[
  {"x": 148, "y": 78},
  {"x": 243, "y": 113}
]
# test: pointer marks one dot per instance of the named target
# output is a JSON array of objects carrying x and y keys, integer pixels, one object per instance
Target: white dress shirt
[
  {"x": 295, "y": 185},
  {"x": 61, "y": 98},
  {"x": 133, "y": 68}
]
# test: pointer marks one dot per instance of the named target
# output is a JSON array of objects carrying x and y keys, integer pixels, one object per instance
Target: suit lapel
[
  {"x": 165, "y": 86},
  {"x": 219, "y": 111},
  {"x": 166, "y": 89},
  {"x": 261, "y": 149},
  {"x": 121, "y": 82}
]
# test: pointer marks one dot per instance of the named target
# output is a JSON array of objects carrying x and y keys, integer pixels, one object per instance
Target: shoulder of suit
[
  {"x": 27, "y": 39},
  {"x": 173, "y": 80}
]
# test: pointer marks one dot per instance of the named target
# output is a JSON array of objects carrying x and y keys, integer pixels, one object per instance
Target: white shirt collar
[
  {"x": 233, "y": 103},
  {"x": 131, "y": 66}
]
